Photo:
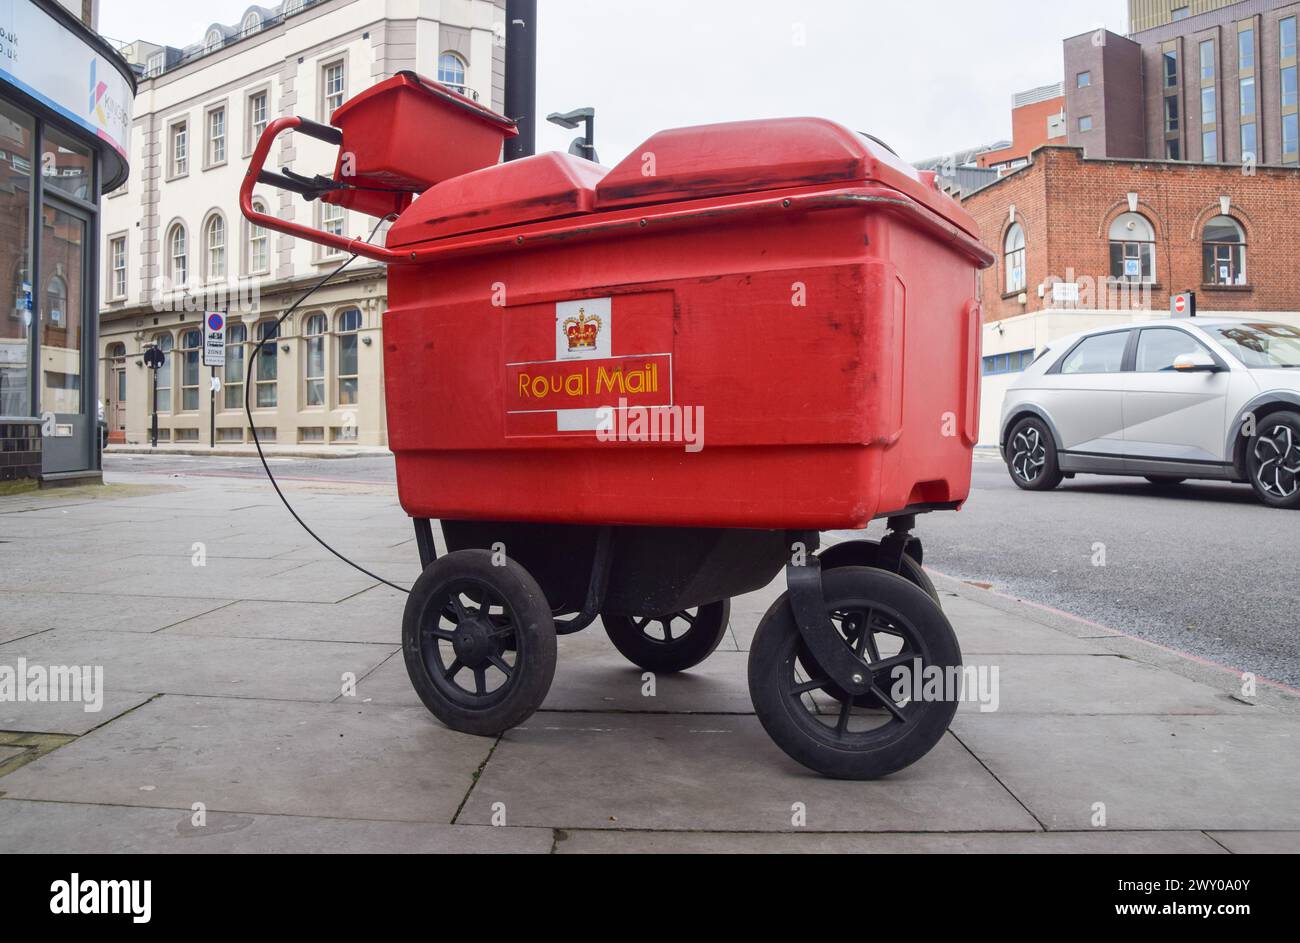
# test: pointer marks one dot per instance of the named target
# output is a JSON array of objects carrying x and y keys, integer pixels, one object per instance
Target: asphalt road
[{"x": 1202, "y": 567}]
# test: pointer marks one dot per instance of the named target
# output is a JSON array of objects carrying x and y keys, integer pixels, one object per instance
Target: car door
[
  {"x": 1083, "y": 394},
  {"x": 1173, "y": 415}
]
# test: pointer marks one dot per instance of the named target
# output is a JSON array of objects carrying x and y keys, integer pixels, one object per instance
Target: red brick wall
[
  {"x": 1066, "y": 205},
  {"x": 1028, "y": 131}
]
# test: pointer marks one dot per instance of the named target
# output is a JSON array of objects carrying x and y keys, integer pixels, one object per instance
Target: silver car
[{"x": 1168, "y": 400}]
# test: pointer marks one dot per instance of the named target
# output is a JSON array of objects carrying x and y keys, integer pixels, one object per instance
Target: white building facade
[{"x": 174, "y": 244}]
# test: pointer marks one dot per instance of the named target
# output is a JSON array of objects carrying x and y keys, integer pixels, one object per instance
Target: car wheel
[
  {"x": 1031, "y": 456},
  {"x": 1273, "y": 460},
  {"x": 1164, "y": 481}
]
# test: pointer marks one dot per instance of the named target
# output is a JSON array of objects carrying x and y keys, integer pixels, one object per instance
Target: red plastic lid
[
  {"x": 750, "y": 156},
  {"x": 418, "y": 83},
  {"x": 532, "y": 189}
]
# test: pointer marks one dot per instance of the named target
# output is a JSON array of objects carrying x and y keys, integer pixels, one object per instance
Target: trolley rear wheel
[
  {"x": 669, "y": 643},
  {"x": 869, "y": 553},
  {"x": 903, "y": 637},
  {"x": 479, "y": 642}
]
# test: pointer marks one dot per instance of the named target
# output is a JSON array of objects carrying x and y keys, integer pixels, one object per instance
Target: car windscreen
[{"x": 1262, "y": 346}]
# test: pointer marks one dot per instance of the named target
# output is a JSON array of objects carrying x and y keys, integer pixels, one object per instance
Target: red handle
[{"x": 343, "y": 244}]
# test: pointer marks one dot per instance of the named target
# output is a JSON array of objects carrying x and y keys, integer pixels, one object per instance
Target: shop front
[{"x": 65, "y": 115}]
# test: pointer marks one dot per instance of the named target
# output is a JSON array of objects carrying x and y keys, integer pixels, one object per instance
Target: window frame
[
  {"x": 1125, "y": 355},
  {"x": 1143, "y": 331},
  {"x": 462, "y": 87},
  {"x": 236, "y": 366},
  {"x": 266, "y": 329},
  {"x": 191, "y": 356},
  {"x": 252, "y": 236},
  {"x": 345, "y": 338},
  {"x": 215, "y": 217},
  {"x": 178, "y": 166},
  {"x": 1008, "y": 253},
  {"x": 210, "y": 140},
  {"x": 1143, "y": 278},
  {"x": 176, "y": 228},
  {"x": 1237, "y": 256},
  {"x": 317, "y": 339},
  {"x": 165, "y": 376},
  {"x": 251, "y": 134},
  {"x": 110, "y": 288},
  {"x": 323, "y": 104}
]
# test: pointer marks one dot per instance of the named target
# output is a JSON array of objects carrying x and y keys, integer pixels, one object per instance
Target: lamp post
[{"x": 584, "y": 146}]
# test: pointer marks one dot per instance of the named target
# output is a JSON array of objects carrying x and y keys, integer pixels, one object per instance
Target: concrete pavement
[{"x": 254, "y": 699}]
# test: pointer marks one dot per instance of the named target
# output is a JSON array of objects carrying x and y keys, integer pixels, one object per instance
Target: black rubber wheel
[
  {"x": 887, "y": 621},
  {"x": 1164, "y": 481},
  {"x": 479, "y": 642},
  {"x": 1031, "y": 456},
  {"x": 675, "y": 642},
  {"x": 1273, "y": 460},
  {"x": 869, "y": 553}
]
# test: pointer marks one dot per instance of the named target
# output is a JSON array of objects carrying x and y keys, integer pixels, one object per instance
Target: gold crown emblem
[{"x": 581, "y": 331}]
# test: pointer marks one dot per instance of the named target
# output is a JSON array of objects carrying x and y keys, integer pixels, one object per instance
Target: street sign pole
[
  {"x": 153, "y": 435},
  {"x": 212, "y": 410},
  {"x": 214, "y": 355}
]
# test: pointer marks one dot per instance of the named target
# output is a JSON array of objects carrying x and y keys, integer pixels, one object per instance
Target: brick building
[
  {"x": 1218, "y": 83},
  {"x": 1084, "y": 242},
  {"x": 1037, "y": 118}
]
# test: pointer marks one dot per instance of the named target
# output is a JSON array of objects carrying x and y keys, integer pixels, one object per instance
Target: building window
[
  {"x": 1170, "y": 59},
  {"x": 1132, "y": 248},
  {"x": 157, "y": 62},
  {"x": 314, "y": 366},
  {"x": 1210, "y": 146},
  {"x": 233, "y": 384},
  {"x": 1289, "y": 87},
  {"x": 1173, "y": 150},
  {"x": 1171, "y": 114},
  {"x": 259, "y": 255},
  {"x": 1207, "y": 60},
  {"x": 332, "y": 87},
  {"x": 56, "y": 301},
  {"x": 251, "y": 23},
  {"x": 451, "y": 71},
  {"x": 1248, "y": 97},
  {"x": 1083, "y": 79},
  {"x": 349, "y": 323},
  {"x": 1286, "y": 31},
  {"x": 256, "y": 117},
  {"x": 117, "y": 267},
  {"x": 1248, "y": 141},
  {"x": 1209, "y": 106},
  {"x": 214, "y": 246},
  {"x": 191, "y": 345},
  {"x": 212, "y": 42},
  {"x": 1013, "y": 253},
  {"x": 1182, "y": 13},
  {"x": 216, "y": 136},
  {"x": 311, "y": 434},
  {"x": 1085, "y": 123},
  {"x": 267, "y": 365},
  {"x": 163, "y": 400},
  {"x": 1291, "y": 139},
  {"x": 1223, "y": 249},
  {"x": 178, "y": 268},
  {"x": 180, "y": 149},
  {"x": 1013, "y": 362},
  {"x": 1245, "y": 50}
]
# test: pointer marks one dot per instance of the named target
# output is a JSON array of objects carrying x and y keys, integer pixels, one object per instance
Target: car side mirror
[{"x": 1195, "y": 363}]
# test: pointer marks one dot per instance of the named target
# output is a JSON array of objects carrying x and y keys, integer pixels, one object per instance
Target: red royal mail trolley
[{"x": 634, "y": 393}]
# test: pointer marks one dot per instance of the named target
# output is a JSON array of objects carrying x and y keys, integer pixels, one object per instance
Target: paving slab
[
  {"x": 66, "y": 716},
  {"x": 275, "y": 757},
  {"x": 220, "y": 578},
  {"x": 665, "y": 772},
  {"x": 1091, "y": 684},
  {"x": 908, "y": 843},
  {"x": 214, "y": 666},
  {"x": 1209, "y": 772},
  {"x": 25, "y": 613},
  {"x": 590, "y": 675},
  {"x": 79, "y": 828},
  {"x": 373, "y": 615},
  {"x": 983, "y": 629},
  {"x": 1259, "y": 843}
]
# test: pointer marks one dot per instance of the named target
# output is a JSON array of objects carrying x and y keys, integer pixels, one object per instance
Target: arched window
[
  {"x": 251, "y": 23},
  {"x": 178, "y": 268},
  {"x": 313, "y": 332},
  {"x": 1223, "y": 248},
  {"x": 165, "y": 343},
  {"x": 1013, "y": 254},
  {"x": 259, "y": 253},
  {"x": 212, "y": 42},
  {"x": 214, "y": 246},
  {"x": 191, "y": 344},
  {"x": 267, "y": 365},
  {"x": 1132, "y": 248},
  {"x": 451, "y": 71},
  {"x": 349, "y": 323},
  {"x": 233, "y": 384},
  {"x": 56, "y": 302},
  {"x": 292, "y": 6}
]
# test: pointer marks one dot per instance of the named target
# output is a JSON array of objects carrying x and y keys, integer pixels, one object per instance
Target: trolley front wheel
[
  {"x": 479, "y": 642},
  {"x": 674, "y": 642},
  {"x": 907, "y": 647}
]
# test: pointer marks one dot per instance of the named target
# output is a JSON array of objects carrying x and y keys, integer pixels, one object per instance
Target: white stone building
[{"x": 174, "y": 232}]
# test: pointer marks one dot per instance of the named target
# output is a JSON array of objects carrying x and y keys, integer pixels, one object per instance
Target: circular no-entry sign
[
  {"x": 215, "y": 322},
  {"x": 1180, "y": 303}
]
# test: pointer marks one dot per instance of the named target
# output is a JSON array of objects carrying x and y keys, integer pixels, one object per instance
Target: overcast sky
[{"x": 927, "y": 76}]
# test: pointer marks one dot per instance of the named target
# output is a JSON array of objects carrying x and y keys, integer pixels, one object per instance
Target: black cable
[{"x": 248, "y": 411}]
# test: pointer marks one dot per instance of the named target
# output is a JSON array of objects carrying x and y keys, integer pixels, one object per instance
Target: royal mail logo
[{"x": 582, "y": 331}]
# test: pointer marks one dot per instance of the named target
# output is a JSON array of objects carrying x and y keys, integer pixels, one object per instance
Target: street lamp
[{"x": 584, "y": 146}]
